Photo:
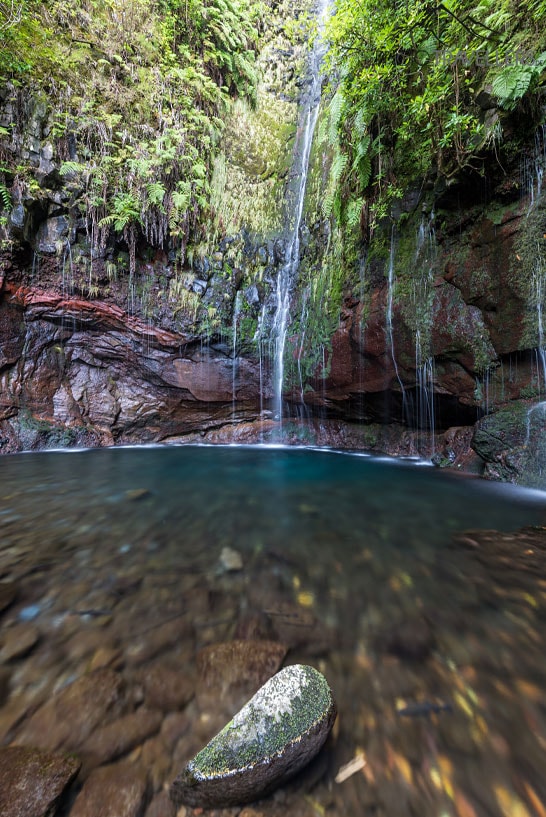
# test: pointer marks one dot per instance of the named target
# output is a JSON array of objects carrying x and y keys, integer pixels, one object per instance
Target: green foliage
[
  {"x": 137, "y": 92},
  {"x": 5, "y": 197},
  {"x": 125, "y": 211},
  {"x": 409, "y": 73},
  {"x": 514, "y": 81}
]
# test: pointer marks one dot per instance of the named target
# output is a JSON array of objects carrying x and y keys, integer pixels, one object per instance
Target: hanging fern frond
[
  {"x": 362, "y": 162},
  {"x": 353, "y": 211}
]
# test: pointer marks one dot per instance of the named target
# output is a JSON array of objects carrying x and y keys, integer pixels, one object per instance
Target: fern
[
  {"x": 331, "y": 203},
  {"x": 156, "y": 193},
  {"x": 126, "y": 212},
  {"x": 353, "y": 211},
  {"x": 73, "y": 168},
  {"x": 334, "y": 112},
  {"x": 511, "y": 84},
  {"x": 362, "y": 163},
  {"x": 338, "y": 166},
  {"x": 5, "y": 197}
]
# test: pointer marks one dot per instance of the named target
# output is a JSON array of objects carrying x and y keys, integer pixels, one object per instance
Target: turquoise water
[{"x": 355, "y": 564}]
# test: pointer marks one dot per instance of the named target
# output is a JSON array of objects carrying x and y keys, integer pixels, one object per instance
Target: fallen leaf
[{"x": 352, "y": 767}]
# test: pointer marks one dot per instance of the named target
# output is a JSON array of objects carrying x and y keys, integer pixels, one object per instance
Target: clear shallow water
[{"x": 352, "y": 563}]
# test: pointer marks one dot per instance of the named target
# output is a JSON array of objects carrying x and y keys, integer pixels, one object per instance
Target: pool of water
[{"x": 406, "y": 586}]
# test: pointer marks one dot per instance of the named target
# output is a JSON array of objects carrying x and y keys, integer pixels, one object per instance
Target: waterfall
[
  {"x": 425, "y": 256},
  {"x": 532, "y": 169},
  {"x": 538, "y": 292},
  {"x": 236, "y": 316},
  {"x": 425, "y": 390},
  {"x": 388, "y": 320},
  {"x": 303, "y": 323},
  {"x": 287, "y": 275}
]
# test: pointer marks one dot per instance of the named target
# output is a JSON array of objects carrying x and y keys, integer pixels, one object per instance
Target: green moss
[{"x": 274, "y": 718}]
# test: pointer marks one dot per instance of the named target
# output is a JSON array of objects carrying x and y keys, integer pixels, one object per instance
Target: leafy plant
[{"x": 409, "y": 74}]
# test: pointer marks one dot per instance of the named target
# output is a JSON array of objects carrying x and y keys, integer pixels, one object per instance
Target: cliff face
[{"x": 402, "y": 345}]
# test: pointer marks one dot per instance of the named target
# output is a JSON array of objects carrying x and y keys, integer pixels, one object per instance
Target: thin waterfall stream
[
  {"x": 388, "y": 320},
  {"x": 295, "y": 202}
]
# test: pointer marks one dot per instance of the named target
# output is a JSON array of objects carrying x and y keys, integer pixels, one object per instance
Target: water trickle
[
  {"x": 538, "y": 294},
  {"x": 287, "y": 276},
  {"x": 538, "y": 287},
  {"x": 259, "y": 339},
  {"x": 424, "y": 366},
  {"x": 234, "y": 358},
  {"x": 388, "y": 320},
  {"x": 425, "y": 256},
  {"x": 303, "y": 324},
  {"x": 35, "y": 271},
  {"x": 532, "y": 169},
  {"x": 67, "y": 270}
]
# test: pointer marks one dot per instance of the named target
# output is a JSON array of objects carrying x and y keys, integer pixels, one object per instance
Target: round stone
[{"x": 270, "y": 739}]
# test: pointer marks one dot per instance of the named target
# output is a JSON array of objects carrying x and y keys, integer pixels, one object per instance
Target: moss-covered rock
[
  {"x": 511, "y": 441},
  {"x": 271, "y": 738}
]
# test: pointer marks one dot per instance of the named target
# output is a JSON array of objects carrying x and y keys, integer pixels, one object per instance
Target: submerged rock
[
  {"x": 270, "y": 739},
  {"x": 32, "y": 781}
]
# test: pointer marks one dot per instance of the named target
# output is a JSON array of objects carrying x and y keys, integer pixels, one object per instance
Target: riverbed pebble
[{"x": 31, "y": 781}]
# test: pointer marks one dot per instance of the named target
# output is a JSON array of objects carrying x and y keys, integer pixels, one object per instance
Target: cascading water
[
  {"x": 388, "y": 320},
  {"x": 425, "y": 255},
  {"x": 538, "y": 285},
  {"x": 424, "y": 366},
  {"x": 236, "y": 317},
  {"x": 538, "y": 288},
  {"x": 303, "y": 323},
  {"x": 532, "y": 169},
  {"x": 294, "y": 207},
  {"x": 532, "y": 179}
]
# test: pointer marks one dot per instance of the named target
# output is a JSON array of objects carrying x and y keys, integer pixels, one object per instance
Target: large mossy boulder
[
  {"x": 270, "y": 739},
  {"x": 512, "y": 442}
]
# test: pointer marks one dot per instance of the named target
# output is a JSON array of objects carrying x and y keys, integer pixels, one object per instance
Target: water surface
[{"x": 357, "y": 565}]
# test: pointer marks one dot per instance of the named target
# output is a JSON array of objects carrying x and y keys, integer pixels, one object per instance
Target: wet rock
[
  {"x": 121, "y": 735},
  {"x": 67, "y": 719},
  {"x": 50, "y": 233},
  {"x": 32, "y": 781},
  {"x": 17, "y": 220},
  {"x": 270, "y": 739},
  {"x": 261, "y": 256},
  {"x": 5, "y": 677},
  {"x": 294, "y": 625},
  {"x": 18, "y": 641},
  {"x": 165, "y": 688},
  {"x": 8, "y": 591},
  {"x": 173, "y": 727},
  {"x": 239, "y": 664},
  {"x": 230, "y": 560},
  {"x": 410, "y": 638},
  {"x": 161, "y": 806},
  {"x": 137, "y": 493},
  {"x": 156, "y": 640},
  {"x": 112, "y": 791}
]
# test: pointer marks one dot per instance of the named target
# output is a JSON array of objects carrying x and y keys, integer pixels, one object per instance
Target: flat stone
[
  {"x": 18, "y": 641},
  {"x": 31, "y": 781},
  {"x": 121, "y": 735},
  {"x": 8, "y": 591},
  {"x": 411, "y": 638},
  {"x": 67, "y": 719},
  {"x": 230, "y": 560},
  {"x": 270, "y": 739},
  {"x": 165, "y": 688},
  {"x": 161, "y": 806},
  {"x": 112, "y": 791},
  {"x": 238, "y": 663}
]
